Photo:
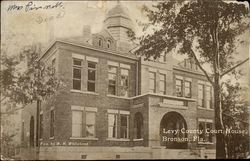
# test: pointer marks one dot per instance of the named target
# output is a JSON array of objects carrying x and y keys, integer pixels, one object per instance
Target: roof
[
  {"x": 118, "y": 10},
  {"x": 83, "y": 42}
]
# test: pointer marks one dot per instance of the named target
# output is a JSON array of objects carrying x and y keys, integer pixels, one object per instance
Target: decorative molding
[
  {"x": 201, "y": 82},
  {"x": 113, "y": 96},
  {"x": 152, "y": 70},
  {"x": 78, "y": 56},
  {"x": 91, "y": 109},
  {"x": 112, "y": 63},
  {"x": 188, "y": 79},
  {"x": 205, "y": 120},
  {"x": 125, "y": 66},
  {"x": 83, "y": 92},
  {"x": 93, "y": 59},
  {"x": 172, "y": 106},
  {"x": 80, "y": 108},
  {"x": 83, "y": 138},
  {"x": 179, "y": 77},
  {"x": 116, "y": 139},
  {"x": 138, "y": 105},
  {"x": 112, "y": 111},
  {"x": 124, "y": 112},
  {"x": 138, "y": 139}
]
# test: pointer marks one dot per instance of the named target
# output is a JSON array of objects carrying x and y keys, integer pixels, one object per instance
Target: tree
[
  {"x": 7, "y": 144},
  {"x": 35, "y": 83},
  {"x": 207, "y": 31},
  {"x": 235, "y": 117},
  {"x": 23, "y": 86}
]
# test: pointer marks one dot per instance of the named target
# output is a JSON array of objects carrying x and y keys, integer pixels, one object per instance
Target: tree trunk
[
  {"x": 220, "y": 138},
  {"x": 38, "y": 104},
  {"x": 37, "y": 122}
]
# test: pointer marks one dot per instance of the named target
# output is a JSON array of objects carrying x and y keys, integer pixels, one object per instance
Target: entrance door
[{"x": 171, "y": 138}]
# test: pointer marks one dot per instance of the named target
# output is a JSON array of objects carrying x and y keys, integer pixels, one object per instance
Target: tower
[{"x": 118, "y": 23}]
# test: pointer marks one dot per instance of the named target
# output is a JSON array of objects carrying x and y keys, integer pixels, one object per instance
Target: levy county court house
[{"x": 115, "y": 104}]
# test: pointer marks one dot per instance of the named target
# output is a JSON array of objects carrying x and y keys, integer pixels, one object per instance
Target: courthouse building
[{"x": 115, "y": 104}]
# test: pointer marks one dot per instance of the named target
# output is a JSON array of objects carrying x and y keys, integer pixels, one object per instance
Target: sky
[
  {"x": 68, "y": 20},
  {"x": 22, "y": 26}
]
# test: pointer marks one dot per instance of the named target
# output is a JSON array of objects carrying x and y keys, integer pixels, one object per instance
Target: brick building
[{"x": 117, "y": 105}]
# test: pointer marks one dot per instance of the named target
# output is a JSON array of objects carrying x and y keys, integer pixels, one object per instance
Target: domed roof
[{"x": 118, "y": 10}]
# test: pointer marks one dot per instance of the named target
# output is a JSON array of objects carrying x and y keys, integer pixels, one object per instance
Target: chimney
[{"x": 87, "y": 33}]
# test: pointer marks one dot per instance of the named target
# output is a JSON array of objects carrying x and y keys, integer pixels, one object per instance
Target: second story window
[
  {"x": 201, "y": 95},
  {"x": 124, "y": 82},
  {"x": 187, "y": 85},
  {"x": 112, "y": 79},
  {"x": 209, "y": 97},
  {"x": 91, "y": 76},
  {"x": 179, "y": 87},
  {"x": 77, "y": 74},
  {"x": 152, "y": 80},
  {"x": 162, "y": 84}
]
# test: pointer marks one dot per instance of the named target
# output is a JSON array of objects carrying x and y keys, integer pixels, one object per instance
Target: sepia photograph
[{"x": 125, "y": 79}]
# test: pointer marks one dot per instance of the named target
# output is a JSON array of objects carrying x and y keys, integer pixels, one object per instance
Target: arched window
[
  {"x": 100, "y": 42},
  {"x": 108, "y": 44},
  {"x": 138, "y": 125}
]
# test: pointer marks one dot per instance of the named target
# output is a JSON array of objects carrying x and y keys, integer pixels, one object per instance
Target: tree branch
[
  {"x": 229, "y": 70},
  {"x": 203, "y": 70}
]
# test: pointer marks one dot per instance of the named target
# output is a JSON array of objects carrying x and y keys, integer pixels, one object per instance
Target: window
[
  {"x": 52, "y": 122},
  {"x": 152, "y": 80},
  {"x": 162, "y": 84},
  {"x": 100, "y": 42},
  {"x": 108, "y": 44},
  {"x": 209, "y": 97},
  {"x": 201, "y": 95},
  {"x": 205, "y": 136},
  {"x": 187, "y": 85},
  {"x": 82, "y": 128},
  {"x": 41, "y": 126},
  {"x": 124, "y": 126},
  {"x": 77, "y": 127},
  {"x": 77, "y": 64},
  {"x": 112, "y": 77},
  {"x": 90, "y": 124},
  {"x": 138, "y": 125},
  {"x": 124, "y": 82},
  {"x": 91, "y": 76},
  {"x": 179, "y": 87},
  {"x": 112, "y": 125}
]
